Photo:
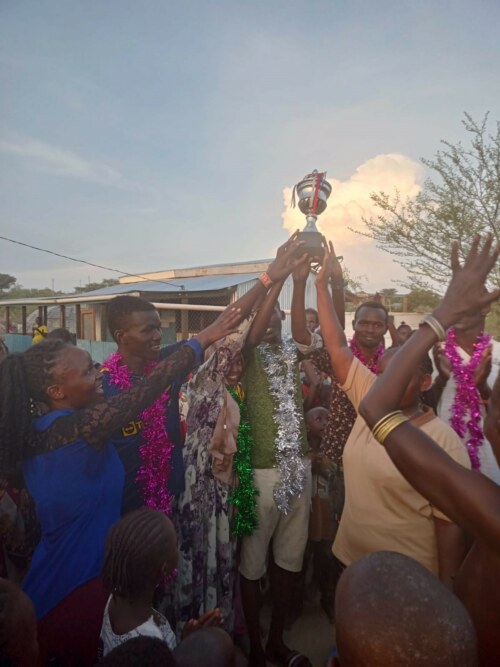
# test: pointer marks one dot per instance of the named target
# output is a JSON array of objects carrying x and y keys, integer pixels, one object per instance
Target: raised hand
[
  {"x": 286, "y": 260},
  {"x": 466, "y": 292},
  {"x": 225, "y": 324}
]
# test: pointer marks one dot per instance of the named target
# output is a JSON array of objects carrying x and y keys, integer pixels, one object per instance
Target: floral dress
[{"x": 207, "y": 551}]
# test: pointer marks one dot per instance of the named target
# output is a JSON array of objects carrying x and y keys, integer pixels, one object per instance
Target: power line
[{"x": 97, "y": 266}]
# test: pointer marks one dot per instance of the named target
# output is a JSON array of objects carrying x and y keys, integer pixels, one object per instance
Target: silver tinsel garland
[{"x": 280, "y": 368}]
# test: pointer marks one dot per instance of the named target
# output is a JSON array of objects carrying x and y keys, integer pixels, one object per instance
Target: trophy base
[{"x": 313, "y": 245}]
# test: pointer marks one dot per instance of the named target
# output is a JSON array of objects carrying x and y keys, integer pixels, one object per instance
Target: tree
[
  {"x": 107, "y": 282},
  {"x": 6, "y": 281},
  {"x": 422, "y": 300},
  {"x": 460, "y": 198}
]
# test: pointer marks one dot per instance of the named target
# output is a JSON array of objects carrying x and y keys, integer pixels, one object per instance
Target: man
[
  {"x": 464, "y": 337},
  {"x": 282, "y": 477},
  {"x": 370, "y": 325},
  {"x": 135, "y": 325}
]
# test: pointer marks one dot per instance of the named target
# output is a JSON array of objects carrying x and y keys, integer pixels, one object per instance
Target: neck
[
  {"x": 467, "y": 337},
  {"x": 133, "y": 363},
  {"x": 125, "y": 615},
  {"x": 314, "y": 442}
]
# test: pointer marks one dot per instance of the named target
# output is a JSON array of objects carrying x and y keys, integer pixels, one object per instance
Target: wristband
[
  {"x": 385, "y": 426},
  {"x": 265, "y": 280}
]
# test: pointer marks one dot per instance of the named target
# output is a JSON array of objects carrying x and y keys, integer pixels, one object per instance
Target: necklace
[
  {"x": 244, "y": 496},
  {"x": 156, "y": 448},
  {"x": 373, "y": 364},
  {"x": 280, "y": 366},
  {"x": 466, "y": 409}
]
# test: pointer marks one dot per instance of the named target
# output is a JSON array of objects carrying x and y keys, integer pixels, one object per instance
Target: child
[
  {"x": 321, "y": 531},
  {"x": 141, "y": 552}
]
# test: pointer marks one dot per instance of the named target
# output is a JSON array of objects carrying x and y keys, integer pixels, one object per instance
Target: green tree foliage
[
  {"x": 107, "y": 282},
  {"x": 459, "y": 199},
  {"x": 422, "y": 300},
  {"x": 6, "y": 281}
]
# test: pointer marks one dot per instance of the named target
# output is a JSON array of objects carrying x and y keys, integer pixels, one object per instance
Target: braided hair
[
  {"x": 137, "y": 547},
  {"x": 24, "y": 379}
]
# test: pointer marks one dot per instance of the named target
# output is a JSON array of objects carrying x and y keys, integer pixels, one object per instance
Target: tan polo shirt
[{"x": 382, "y": 511}]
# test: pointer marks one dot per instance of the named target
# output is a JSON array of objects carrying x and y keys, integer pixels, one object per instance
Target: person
[
  {"x": 40, "y": 331},
  {"x": 312, "y": 321},
  {"x": 18, "y": 640},
  {"x": 471, "y": 500},
  {"x": 141, "y": 552},
  {"x": 321, "y": 532},
  {"x": 282, "y": 477},
  {"x": 208, "y": 647},
  {"x": 467, "y": 352},
  {"x": 61, "y": 333},
  {"x": 382, "y": 511},
  {"x": 207, "y": 559},
  {"x": 390, "y": 611},
  {"x": 403, "y": 332},
  {"x": 65, "y": 453},
  {"x": 140, "y": 651},
  {"x": 4, "y": 350},
  {"x": 370, "y": 325}
]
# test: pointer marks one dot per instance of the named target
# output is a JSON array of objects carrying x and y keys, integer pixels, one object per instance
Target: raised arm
[
  {"x": 300, "y": 332},
  {"x": 331, "y": 328},
  {"x": 469, "y": 499},
  {"x": 98, "y": 423}
]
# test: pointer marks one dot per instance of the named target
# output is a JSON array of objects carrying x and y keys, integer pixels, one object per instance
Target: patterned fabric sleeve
[{"x": 97, "y": 424}]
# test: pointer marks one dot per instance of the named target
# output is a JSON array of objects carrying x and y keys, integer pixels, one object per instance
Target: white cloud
[
  {"x": 350, "y": 201},
  {"x": 61, "y": 161}
]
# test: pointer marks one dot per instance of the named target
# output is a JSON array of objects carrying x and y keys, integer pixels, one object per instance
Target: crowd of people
[{"x": 131, "y": 537}]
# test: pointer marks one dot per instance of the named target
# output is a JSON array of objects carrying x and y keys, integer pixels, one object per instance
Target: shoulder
[{"x": 446, "y": 438}]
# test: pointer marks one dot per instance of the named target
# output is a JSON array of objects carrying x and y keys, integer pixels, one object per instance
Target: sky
[{"x": 153, "y": 135}]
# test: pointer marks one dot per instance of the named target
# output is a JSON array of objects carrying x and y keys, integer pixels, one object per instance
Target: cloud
[
  {"x": 350, "y": 202},
  {"x": 61, "y": 161}
]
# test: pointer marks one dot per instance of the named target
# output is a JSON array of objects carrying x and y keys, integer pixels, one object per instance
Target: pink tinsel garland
[
  {"x": 373, "y": 365},
  {"x": 466, "y": 408},
  {"x": 156, "y": 448}
]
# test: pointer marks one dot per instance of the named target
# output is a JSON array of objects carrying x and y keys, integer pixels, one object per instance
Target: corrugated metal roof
[{"x": 196, "y": 284}]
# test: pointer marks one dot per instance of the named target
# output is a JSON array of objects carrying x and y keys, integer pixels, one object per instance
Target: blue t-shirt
[
  {"x": 77, "y": 492},
  {"x": 128, "y": 440}
]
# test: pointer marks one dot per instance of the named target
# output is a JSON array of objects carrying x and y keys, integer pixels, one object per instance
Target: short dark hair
[
  {"x": 210, "y": 647},
  {"x": 138, "y": 652},
  {"x": 372, "y": 304},
  {"x": 122, "y": 307},
  {"x": 61, "y": 334},
  {"x": 136, "y": 548}
]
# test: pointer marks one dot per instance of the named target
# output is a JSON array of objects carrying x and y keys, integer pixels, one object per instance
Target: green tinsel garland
[{"x": 244, "y": 496}]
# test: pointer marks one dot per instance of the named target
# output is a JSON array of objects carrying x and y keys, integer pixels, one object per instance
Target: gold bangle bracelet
[
  {"x": 394, "y": 420},
  {"x": 383, "y": 420}
]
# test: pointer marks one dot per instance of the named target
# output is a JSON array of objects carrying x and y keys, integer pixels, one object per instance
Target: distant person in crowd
[
  {"x": 4, "y": 350},
  {"x": 207, "y": 525},
  {"x": 404, "y": 331},
  {"x": 66, "y": 455},
  {"x": 142, "y": 651},
  {"x": 18, "y": 642},
  {"x": 392, "y": 612},
  {"x": 312, "y": 321},
  {"x": 321, "y": 531},
  {"x": 463, "y": 362},
  {"x": 141, "y": 552},
  {"x": 62, "y": 334},
  {"x": 209, "y": 647},
  {"x": 382, "y": 511},
  {"x": 40, "y": 331},
  {"x": 470, "y": 499}
]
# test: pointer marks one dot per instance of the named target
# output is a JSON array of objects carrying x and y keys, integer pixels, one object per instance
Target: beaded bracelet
[{"x": 385, "y": 426}]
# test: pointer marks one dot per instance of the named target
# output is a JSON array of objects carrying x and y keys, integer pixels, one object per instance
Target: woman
[
  {"x": 382, "y": 511},
  {"x": 207, "y": 565},
  {"x": 469, "y": 498},
  {"x": 74, "y": 475}
]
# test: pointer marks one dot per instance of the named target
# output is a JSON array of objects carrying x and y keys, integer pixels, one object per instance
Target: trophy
[{"x": 312, "y": 192}]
